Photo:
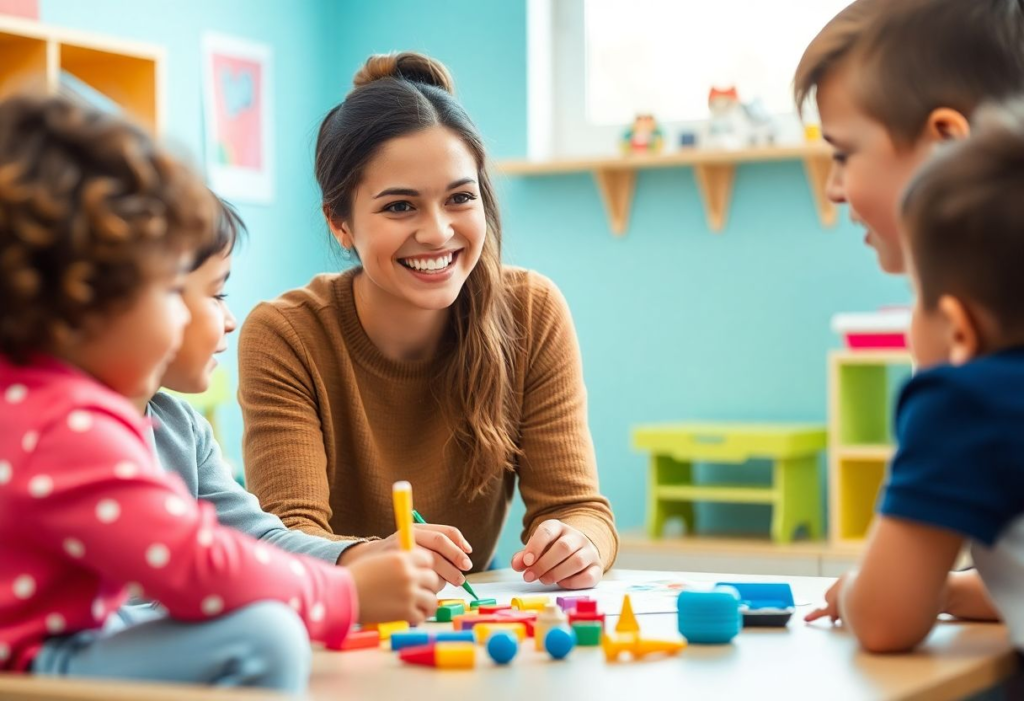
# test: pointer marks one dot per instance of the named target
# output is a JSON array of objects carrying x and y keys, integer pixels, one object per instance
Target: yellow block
[
  {"x": 452, "y": 602},
  {"x": 455, "y": 655},
  {"x": 484, "y": 631},
  {"x": 386, "y": 629},
  {"x": 530, "y": 603},
  {"x": 638, "y": 647}
]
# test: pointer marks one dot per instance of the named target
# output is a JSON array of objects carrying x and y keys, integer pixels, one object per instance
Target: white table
[{"x": 799, "y": 662}]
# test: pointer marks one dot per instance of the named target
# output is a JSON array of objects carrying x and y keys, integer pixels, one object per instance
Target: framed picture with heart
[{"x": 238, "y": 124}]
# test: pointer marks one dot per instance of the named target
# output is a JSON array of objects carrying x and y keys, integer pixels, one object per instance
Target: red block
[
  {"x": 358, "y": 640},
  {"x": 527, "y": 618},
  {"x": 588, "y": 606},
  {"x": 490, "y": 610},
  {"x": 575, "y": 616}
]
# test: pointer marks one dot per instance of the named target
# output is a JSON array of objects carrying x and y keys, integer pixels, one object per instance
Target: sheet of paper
[{"x": 646, "y": 597}]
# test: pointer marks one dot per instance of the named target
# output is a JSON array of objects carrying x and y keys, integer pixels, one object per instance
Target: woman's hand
[
  {"x": 448, "y": 548},
  {"x": 558, "y": 553}
]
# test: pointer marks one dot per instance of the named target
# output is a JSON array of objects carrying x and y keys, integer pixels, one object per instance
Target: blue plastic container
[{"x": 710, "y": 617}]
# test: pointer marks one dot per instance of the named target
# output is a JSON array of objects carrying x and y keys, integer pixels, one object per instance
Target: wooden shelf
[
  {"x": 714, "y": 170},
  {"x": 865, "y": 453},
  {"x": 879, "y": 357},
  {"x": 130, "y": 73}
]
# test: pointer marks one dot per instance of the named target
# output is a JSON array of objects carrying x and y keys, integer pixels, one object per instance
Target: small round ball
[
  {"x": 560, "y": 641},
  {"x": 502, "y": 647}
]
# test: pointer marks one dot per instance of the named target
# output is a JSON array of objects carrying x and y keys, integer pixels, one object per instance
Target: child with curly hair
[{"x": 97, "y": 231}]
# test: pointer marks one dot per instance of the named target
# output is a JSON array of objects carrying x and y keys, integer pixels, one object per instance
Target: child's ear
[
  {"x": 947, "y": 124},
  {"x": 339, "y": 229},
  {"x": 963, "y": 337}
]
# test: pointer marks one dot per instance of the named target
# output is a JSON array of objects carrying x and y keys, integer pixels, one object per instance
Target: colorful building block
[
  {"x": 502, "y": 647},
  {"x": 451, "y": 602},
  {"x": 586, "y": 611},
  {"x": 486, "y": 630},
  {"x": 638, "y": 648},
  {"x": 488, "y": 609},
  {"x": 568, "y": 603},
  {"x": 559, "y": 642},
  {"x": 447, "y": 613},
  {"x": 386, "y": 629},
  {"x": 627, "y": 624},
  {"x": 530, "y": 603},
  {"x": 443, "y": 655},
  {"x": 550, "y": 617},
  {"x": 357, "y": 640},
  {"x": 415, "y": 638},
  {"x": 482, "y": 602},
  {"x": 588, "y": 633},
  {"x": 527, "y": 618},
  {"x": 467, "y": 621}
]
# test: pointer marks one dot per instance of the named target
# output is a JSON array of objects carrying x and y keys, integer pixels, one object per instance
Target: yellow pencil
[{"x": 401, "y": 493}]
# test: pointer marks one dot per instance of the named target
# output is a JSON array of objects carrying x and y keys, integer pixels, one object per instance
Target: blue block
[{"x": 412, "y": 638}]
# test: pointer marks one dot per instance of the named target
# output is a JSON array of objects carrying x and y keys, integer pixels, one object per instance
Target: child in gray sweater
[{"x": 183, "y": 439}]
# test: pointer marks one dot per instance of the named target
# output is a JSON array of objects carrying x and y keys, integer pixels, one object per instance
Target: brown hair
[
  {"x": 88, "y": 206},
  {"x": 396, "y": 95},
  {"x": 914, "y": 56},
  {"x": 964, "y": 221}
]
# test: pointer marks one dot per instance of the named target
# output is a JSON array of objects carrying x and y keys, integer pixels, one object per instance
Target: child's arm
[
  {"x": 893, "y": 602},
  {"x": 968, "y": 598},
  {"x": 237, "y": 508},
  {"x": 136, "y": 524}
]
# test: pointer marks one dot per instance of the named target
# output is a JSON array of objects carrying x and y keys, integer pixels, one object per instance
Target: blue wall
[
  {"x": 287, "y": 243},
  {"x": 674, "y": 321}
]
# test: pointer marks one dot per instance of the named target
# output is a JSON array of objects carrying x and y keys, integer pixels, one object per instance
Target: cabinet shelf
[
  {"x": 714, "y": 170},
  {"x": 32, "y": 56}
]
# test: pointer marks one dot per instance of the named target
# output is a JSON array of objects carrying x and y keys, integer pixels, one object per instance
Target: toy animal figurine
[
  {"x": 762, "y": 130},
  {"x": 645, "y": 136},
  {"x": 728, "y": 121}
]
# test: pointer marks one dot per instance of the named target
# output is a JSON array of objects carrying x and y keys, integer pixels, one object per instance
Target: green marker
[{"x": 465, "y": 585}]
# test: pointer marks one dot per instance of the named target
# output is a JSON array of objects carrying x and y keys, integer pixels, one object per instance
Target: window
[{"x": 613, "y": 59}]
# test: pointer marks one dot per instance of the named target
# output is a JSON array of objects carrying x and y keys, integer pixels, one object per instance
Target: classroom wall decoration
[
  {"x": 237, "y": 98},
  {"x": 29, "y": 9}
]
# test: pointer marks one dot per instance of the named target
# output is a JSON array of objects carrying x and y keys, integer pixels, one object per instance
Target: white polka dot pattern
[
  {"x": 24, "y": 587},
  {"x": 158, "y": 555},
  {"x": 29, "y": 441},
  {"x": 213, "y": 605},
  {"x": 55, "y": 623},
  {"x": 126, "y": 470},
  {"x": 40, "y": 486},
  {"x": 6, "y": 472},
  {"x": 175, "y": 506},
  {"x": 16, "y": 394},
  {"x": 316, "y": 614},
  {"x": 79, "y": 421},
  {"x": 74, "y": 547},
  {"x": 108, "y": 511}
]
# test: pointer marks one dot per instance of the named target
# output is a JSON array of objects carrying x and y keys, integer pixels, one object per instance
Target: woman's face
[{"x": 417, "y": 220}]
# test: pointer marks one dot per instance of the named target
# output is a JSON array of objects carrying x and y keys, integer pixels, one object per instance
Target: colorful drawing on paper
[{"x": 237, "y": 97}]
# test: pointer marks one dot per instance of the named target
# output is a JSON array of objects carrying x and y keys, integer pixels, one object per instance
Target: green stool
[{"x": 795, "y": 492}]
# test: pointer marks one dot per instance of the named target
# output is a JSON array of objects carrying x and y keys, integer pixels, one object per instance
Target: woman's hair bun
[{"x": 406, "y": 65}]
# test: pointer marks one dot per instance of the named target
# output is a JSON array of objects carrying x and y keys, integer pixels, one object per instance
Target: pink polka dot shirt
[{"x": 87, "y": 516}]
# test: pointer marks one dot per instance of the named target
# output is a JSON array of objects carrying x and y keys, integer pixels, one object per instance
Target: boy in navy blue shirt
[{"x": 958, "y": 475}]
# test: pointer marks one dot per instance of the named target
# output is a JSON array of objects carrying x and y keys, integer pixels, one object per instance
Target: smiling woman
[{"x": 429, "y": 362}]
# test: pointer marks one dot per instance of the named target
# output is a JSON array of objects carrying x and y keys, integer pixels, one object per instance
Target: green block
[
  {"x": 445, "y": 614},
  {"x": 482, "y": 602},
  {"x": 588, "y": 633}
]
